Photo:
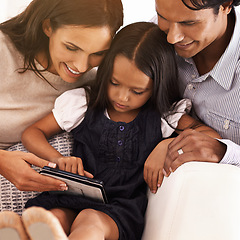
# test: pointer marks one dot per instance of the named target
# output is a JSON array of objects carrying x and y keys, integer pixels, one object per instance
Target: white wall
[
  {"x": 10, "y": 8},
  {"x": 134, "y": 10}
]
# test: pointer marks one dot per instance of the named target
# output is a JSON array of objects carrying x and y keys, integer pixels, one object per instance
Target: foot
[
  {"x": 42, "y": 224},
  {"x": 11, "y": 226}
]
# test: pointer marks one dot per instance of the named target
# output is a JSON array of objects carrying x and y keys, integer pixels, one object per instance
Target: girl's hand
[
  {"x": 154, "y": 166},
  {"x": 73, "y": 165},
  {"x": 195, "y": 146},
  {"x": 15, "y": 166}
]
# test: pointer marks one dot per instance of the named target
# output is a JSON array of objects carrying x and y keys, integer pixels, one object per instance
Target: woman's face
[{"x": 74, "y": 50}]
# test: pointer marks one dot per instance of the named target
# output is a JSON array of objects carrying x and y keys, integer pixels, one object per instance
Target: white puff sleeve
[
  {"x": 182, "y": 107},
  {"x": 70, "y": 108}
]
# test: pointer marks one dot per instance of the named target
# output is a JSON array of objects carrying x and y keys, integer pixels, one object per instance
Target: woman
[{"x": 47, "y": 49}]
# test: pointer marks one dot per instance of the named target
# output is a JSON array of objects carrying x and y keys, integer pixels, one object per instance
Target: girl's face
[
  {"x": 129, "y": 88},
  {"x": 74, "y": 50}
]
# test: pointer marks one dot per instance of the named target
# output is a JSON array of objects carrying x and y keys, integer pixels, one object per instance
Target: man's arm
[{"x": 232, "y": 155}]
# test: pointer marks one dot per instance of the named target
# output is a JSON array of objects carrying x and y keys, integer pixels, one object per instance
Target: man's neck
[{"x": 208, "y": 57}]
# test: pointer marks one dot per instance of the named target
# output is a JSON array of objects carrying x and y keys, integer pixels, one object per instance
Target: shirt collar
[{"x": 224, "y": 69}]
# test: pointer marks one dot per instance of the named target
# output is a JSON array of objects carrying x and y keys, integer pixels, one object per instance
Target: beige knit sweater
[{"x": 25, "y": 98}]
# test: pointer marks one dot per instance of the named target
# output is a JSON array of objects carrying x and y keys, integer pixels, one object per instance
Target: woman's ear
[{"x": 46, "y": 26}]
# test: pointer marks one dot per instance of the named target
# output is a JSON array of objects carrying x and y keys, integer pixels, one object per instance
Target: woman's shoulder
[
  {"x": 8, "y": 51},
  {"x": 73, "y": 94}
]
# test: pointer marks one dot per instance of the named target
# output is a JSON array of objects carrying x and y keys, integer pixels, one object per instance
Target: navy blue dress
[{"x": 114, "y": 152}]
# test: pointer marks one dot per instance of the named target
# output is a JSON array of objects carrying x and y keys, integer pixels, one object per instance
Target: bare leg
[
  {"x": 94, "y": 225},
  {"x": 65, "y": 217}
]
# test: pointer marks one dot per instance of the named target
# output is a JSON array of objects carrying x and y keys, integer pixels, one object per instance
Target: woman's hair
[
  {"x": 204, "y": 4},
  {"x": 146, "y": 45},
  {"x": 26, "y": 33}
]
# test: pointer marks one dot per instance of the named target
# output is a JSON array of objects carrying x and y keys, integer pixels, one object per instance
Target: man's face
[{"x": 190, "y": 31}]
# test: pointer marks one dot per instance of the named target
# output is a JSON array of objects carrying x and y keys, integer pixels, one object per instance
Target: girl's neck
[{"x": 122, "y": 116}]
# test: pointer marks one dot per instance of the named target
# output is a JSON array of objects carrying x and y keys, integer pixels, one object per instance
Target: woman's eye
[
  {"x": 100, "y": 53},
  {"x": 71, "y": 48}
]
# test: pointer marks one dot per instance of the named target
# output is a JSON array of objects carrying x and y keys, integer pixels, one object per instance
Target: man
[
  {"x": 201, "y": 201},
  {"x": 205, "y": 34}
]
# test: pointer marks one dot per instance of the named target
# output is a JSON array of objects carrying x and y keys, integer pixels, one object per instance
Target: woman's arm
[{"x": 15, "y": 167}]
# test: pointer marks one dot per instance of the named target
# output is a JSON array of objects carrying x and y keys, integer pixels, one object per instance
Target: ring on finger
[{"x": 180, "y": 151}]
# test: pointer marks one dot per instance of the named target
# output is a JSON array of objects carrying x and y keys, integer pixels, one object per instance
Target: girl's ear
[
  {"x": 46, "y": 26},
  {"x": 227, "y": 6}
]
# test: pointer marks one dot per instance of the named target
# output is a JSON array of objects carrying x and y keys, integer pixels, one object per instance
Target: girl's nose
[{"x": 123, "y": 95}]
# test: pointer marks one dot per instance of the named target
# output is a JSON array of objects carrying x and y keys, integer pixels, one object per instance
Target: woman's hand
[
  {"x": 15, "y": 166},
  {"x": 195, "y": 146},
  {"x": 154, "y": 165},
  {"x": 73, "y": 165}
]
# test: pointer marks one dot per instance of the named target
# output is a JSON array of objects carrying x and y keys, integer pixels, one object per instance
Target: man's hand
[{"x": 195, "y": 146}]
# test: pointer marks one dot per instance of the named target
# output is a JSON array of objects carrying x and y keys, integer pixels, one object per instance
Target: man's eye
[{"x": 188, "y": 23}]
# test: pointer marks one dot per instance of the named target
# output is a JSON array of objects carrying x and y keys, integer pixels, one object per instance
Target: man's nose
[{"x": 174, "y": 34}]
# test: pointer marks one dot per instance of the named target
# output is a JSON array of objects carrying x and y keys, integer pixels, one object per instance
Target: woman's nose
[{"x": 82, "y": 63}]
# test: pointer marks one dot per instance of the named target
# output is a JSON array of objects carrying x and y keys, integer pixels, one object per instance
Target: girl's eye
[
  {"x": 137, "y": 93},
  {"x": 114, "y": 83}
]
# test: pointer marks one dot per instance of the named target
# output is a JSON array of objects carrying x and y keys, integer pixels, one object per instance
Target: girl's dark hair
[
  {"x": 26, "y": 33},
  {"x": 204, "y": 4},
  {"x": 146, "y": 45}
]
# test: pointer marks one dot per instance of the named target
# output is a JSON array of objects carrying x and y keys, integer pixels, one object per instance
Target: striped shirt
[{"x": 216, "y": 95}]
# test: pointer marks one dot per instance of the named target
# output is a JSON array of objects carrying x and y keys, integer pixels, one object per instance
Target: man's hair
[{"x": 204, "y": 4}]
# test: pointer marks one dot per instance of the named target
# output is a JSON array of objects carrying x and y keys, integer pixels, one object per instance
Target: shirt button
[
  {"x": 121, "y": 128},
  {"x": 226, "y": 124},
  {"x": 120, "y": 142},
  {"x": 193, "y": 76},
  {"x": 190, "y": 86},
  {"x": 118, "y": 159}
]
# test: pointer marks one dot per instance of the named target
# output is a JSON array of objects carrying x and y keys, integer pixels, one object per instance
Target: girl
[
  {"x": 47, "y": 49},
  {"x": 132, "y": 106}
]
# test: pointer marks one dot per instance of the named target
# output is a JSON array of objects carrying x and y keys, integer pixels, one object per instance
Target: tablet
[{"x": 77, "y": 184}]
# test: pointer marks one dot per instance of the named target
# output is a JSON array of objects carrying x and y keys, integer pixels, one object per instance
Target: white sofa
[{"x": 199, "y": 201}]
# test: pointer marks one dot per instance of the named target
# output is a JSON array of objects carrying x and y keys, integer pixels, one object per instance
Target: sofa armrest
[{"x": 199, "y": 201}]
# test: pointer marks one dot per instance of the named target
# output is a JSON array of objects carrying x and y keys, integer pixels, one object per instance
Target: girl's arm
[
  {"x": 165, "y": 157},
  {"x": 34, "y": 138}
]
